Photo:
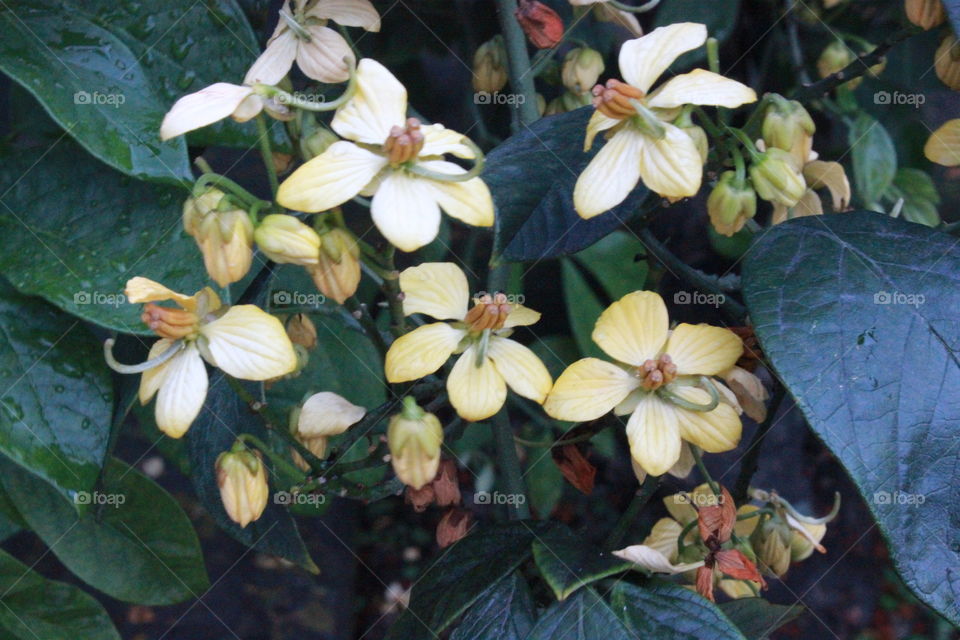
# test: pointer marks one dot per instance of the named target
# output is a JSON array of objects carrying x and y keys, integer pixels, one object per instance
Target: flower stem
[
  {"x": 266, "y": 152},
  {"x": 283, "y": 465},
  {"x": 640, "y": 498},
  {"x": 391, "y": 287},
  {"x": 518, "y": 63},
  {"x": 698, "y": 458},
  {"x": 752, "y": 456},
  {"x": 509, "y": 465}
]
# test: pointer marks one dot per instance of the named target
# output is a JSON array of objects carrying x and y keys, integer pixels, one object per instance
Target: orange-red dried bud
[
  {"x": 420, "y": 499},
  {"x": 453, "y": 526},
  {"x": 446, "y": 485},
  {"x": 613, "y": 98},
  {"x": 488, "y": 312},
  {"x": 575, "y": 467},
  {"x": 716, "y": 521},
  {"x": 404, "y": 143},
  {"x": 733, "y": 563},
  {"x": 543, "y": 26}
]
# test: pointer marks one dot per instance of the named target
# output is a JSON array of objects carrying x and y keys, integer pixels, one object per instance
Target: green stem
[
  {"x": 266, "y": 153},
  {"x": 285, "y": 467},
  {"x": 752, "y": 456},
  {"x": 698, "y": 459},
  {"x": 367, "y": 323},
  {"x": 391, "y": 287},
  {"x": 642, "y": 496},
  {"x": 518, "y": 63},
  {"x": 509, "y": 465}
]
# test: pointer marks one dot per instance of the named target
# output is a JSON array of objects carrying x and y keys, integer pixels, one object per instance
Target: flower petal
[
  {"x": 475, "y": 392},
  {"x": 421, "y": 352},
  {"x": 634, "y": 328},
  {"x": 330, "y": 179},
  {"x": 587, "y": 389},
  {"x": 327, "y": 414},
  {"x": 671, "y": 166},
  {"x": 606, "y": 13},
  {"x": 152, "y": 379},
  {"x": 349, "y": 13},
  {"x": 654, "y": 435},
  {"x": 379, "y": 104},
  {"x": 248, "y": 343},
  {"x": 820, "y": 173},
  {"x": 943, "y": 145},
  {"x": 182, "y": 392},
  {"x": 663, "y": 537},
  {"x": 469, "y": 201},
  {"x": 406, "y": 211},
  {"x": 713, "y": 431},
  {"x": 195, "y": 110},
  {"x": 140, "y": 289},
  {"x": 327, "y": 57},
  {"x": 611, "y": 175},
  {"x": 702, "y": 349},
  {"x": 644, "y": 59},
  {"x": 275, "y": 61},
  {"x": 701, "y": 87},
  {"x": 520, "y": 367},
  {"x": 654, "y": 561},
  {"x": 438, "y": 140},
  {"x": 521, "y": 316},
  {"x": 436, "y": 289},
  {"x": 597, "y": 124}
]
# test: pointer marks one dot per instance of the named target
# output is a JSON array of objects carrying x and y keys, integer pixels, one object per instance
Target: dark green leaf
[
  {"x": 463, "y": 573},
  {"x": 544, "y": 480},
  {"x": 36, "y": 608},
  {"x": 920, "y": 197},
  {"x": 93, "y": 85},
  {"x": 223, "y": 418},
  {"x": 503, "y": 612},
  {"x": 874, "y": 158},
  {"x": 134, "y": 543},
  {"x": 585, "y": 616},
  {"x": 74, "y": 232},
  {"x": 858, "y": 314},
  {"x": 757, "y": 618},
  {"x": 567, "y": 562},
  {"x": 617, "y": 262},
  {"x": 532, "y": 176},
  {"x": 583, "y": 308},
  {"x": 666, "y": 611},
  {"x": 55, "y": 410}
]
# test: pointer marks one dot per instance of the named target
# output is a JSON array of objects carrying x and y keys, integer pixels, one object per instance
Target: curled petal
[
  {"x": 327, "y": 57},
  {"x": 701, "y": 87},
  {"x": 436, "y": 289},
  {"x": 598, "y": 123},
  {"x": 142, "y": 289},
  {"x": 653, "y": 561},
  {"x": 349, "y": 13},
  {"x": 831, "y": 175},
  {"x": 468, "y": 201},
  {"x": 209, "y": 105},
  {"x": 438, "y": 141},
  {"x": 521, "y": 316},
  {"x": 327, "y": 414},
  {"x": 943, "y": 145}
]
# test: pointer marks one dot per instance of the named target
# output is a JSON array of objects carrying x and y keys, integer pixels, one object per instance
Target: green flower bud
[
  {"x": 776, "y": 178},
  {"x": 284, "y": 239},
  {"x": 731, "y": 203},
  {"x": 581, "y": 69},
  {"x": 490, "y": 66},
  {"x": 788, "y": 126},
  {"x": 414, "y": 437}
]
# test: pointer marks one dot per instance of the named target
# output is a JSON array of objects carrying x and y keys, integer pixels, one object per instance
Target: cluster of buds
[
  {"x": 224, "y": 235},
  {"x": 781, "y": 536},
  {"x": 444, "y": 491},
  {"x": 414, "y": 437},
  {"x": 242, "y": 479},
  {"x": 787, "y": 125},
  {"x": 777, "y": 178},
  {"x": 490, "y": 66}
]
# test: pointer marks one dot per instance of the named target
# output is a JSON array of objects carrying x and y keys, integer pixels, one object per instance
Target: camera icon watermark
[
  {"x": 899, "y": 98},
  {"x": 698, "y": 499},
  {"x": 98, "y": 297},
  {"x": 286, "y": 498},
  {"x": 114, "y": 100},
  {"x": 699, "y": 298},
  {"x": 485, "y": 97},
  {"x": 512, "y": 298},
  {"x": 898, "y": 297},
  {"x": 97, "y": 498},
  {"x": 898, "y": 498},
  {"x": 486, "y": 497},
  {"x": 287, "y": 298}
]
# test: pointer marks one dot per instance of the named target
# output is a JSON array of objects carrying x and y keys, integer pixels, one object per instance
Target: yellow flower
[
  {"x": 644, "y": 145},
  {"x": 489, "y": 360},
  {"x": 303, "y": 35},
  {"x": 659, "y": 552},
  {"x": 389, "y": 158},
  {"x": 242, "y": 479},
  {"x": 943, "y": 146},
  {"x": 654, "y": 381},
  {"x": 323, "y": 415},
  {"x": 242, "y": 340}
]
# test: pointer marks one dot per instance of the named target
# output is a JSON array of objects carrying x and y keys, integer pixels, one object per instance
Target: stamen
[
  {"x": 488, "y": 312},
  {"x": 614, "y": 99},
  {"x": 404, "y": 143},
  {"x": 654, "y": 374},
  {"x": 170, "y": 323}
]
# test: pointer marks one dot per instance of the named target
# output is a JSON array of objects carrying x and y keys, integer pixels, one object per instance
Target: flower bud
[
  {"x": 317, "y": 142},
  {"x": 224, "y": 235},
  {"x": 446, "y": 486},
  {"x": 490, "y": 66},
  {"x": 337, "y": 273},
  {"x": 581, "y": 69},
  {"x": 835, "y": 57},
  {"x": 322, "y": 415},
  {"x": 926, "y": 14},
  {"x": 788, "y": 126},
  {"x": 731, "y": 203},
  {"x": 567, "y": 101},
  {"x": 414, "y": 437},
  {"x": 453, "y": 526},
  {"x": 575, "y": 467},
  {"x": 242, "y": 478},
  {"x": 770, "y": 542},
  {"x": 286, "y": 240},
  {"x": 947, "y": 62},
  {"x": 420, "y": 499},
  {"x": 804, "y": 543},
  {"x": 543, "y": 25},
  {"x": 776, "y": 178},
  {"x": 302, "y": 331}
]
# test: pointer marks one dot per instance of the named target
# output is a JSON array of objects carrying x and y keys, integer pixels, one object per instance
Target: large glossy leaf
[
  {"x": 224, "y": 416},
  {"x": 756, "y": 618},
  {"x": 92, "y": 84},
  {"x": 584, "y": 616},
  {"x": 666, "y": 611},
  {"x": 567, "y": 562},
  {"x": 532, "y": 176},
  {"x": 504, "y": 612},
  {"x": 36, "y": 608},
  {"x": 134, "y": 543},
  {"x": 858, "y": 314},
  {"x": 74, "y": 232},
  {"x": 874, "y": 158},
  {"x": 462, "y": 574},
  {"x": 56, "y": 400}
]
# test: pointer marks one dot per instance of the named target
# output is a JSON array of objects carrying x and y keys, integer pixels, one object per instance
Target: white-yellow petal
[
  {"x": 438, "y": 141},
  {"x": 140, "y": 289},
  {"x": 598, "y": 123},
  {"x": 327, "y": 414},
  {"x": 644, "y": 59},
  {"x": 151, "y": 379},
  {"x": 521, "y": 316},
  {"x": 182, "y": 392},
  {"x": 349, "y": 13},
  {"x": 421, "y": 352},
  {"x": 587, "y": 389},
  {"x": 436, "y": 289},
  {"x": 520, "y": 367},
  {"x": 943, "y": 145},
  {"x": 248, "y": 343},
  {"x": 379, "y": 104},
  {"x": 702, "y": 349},
  {"x": 195, "y": 110},
  {"x": 330, "y": 179},
  {"x": 663, "y": 537},
  {"x": 671, "y": 166},
  {"x": 713, "y": 431},
  {"x": 634, "y": 328},
  {"x": 611, "y": 175},
  {"x": 701, "y": 87},
  {"x": 327, "y": 57},
  {"x": 654, "y": 561},
  {"x": 275, "y": 61},
  {"x": 820, "y": 173},
  {"x": 475, "y": 392},
  {"x": 406, "y": 211},
  {"x": 468, "y": 201},
  {"x": 654, "y": 435}
]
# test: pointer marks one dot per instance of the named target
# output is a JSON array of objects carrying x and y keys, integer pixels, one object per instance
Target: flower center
[
  {"x": 613, "y": 99},
  {"x": 654, "y": 374},
  {"x": 488, "y": 312},
  {"x": 404, "y": 143},
  {"x": 171, "y": 323}
]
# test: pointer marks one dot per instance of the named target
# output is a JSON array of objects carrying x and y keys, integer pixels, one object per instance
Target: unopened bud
[
  {"x": 575, "y": 467},
  {"x": 453, "y": 526},
  {"x": 581, "y": 69},
  {"x": 317, "y": 446},
  {"x": 788, "y": 126},
  {"x": 543, "y": 25},
  {"x": 421, "y": 498},
  {"x": 490, "y": 66},
  {"x": 947, "y": 62},
  {"x": 834, "y": 57},
  {"x": 286, "y": 240},
  {"x": 302, "y": 331},
  {"x": 414, "y": 437},
  {"x": 242, "y": 479},
  {"x": 771, "y": 547},
  {"x": 317, "y": 142},
  {"x": 777, "y": 178},
  {"x": 566, "y": 102},
  {"x": 926, "y": 14},
  {"x": 224, "y": 235},
  {"x": 699, "y": 137},
  {"x": 337, "y": 273},
  {"x": 731, "y": 203},
  {"x": 446, "y": 485}
]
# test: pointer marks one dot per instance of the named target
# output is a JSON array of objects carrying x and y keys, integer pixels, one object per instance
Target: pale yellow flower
[
  {"x": 387, "y": 151},
  {"x": 303, "y": 35},
  {"x": 489, "y": 360},
  {"x": 657, "y": 371},
  {"x": 242, "y": 480},
  {"x": 943, "y": 145},
  {"x": 243, "y": 341},
  {"x": 643, "y": 144},
  {"x": 659, "y": 552}
]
